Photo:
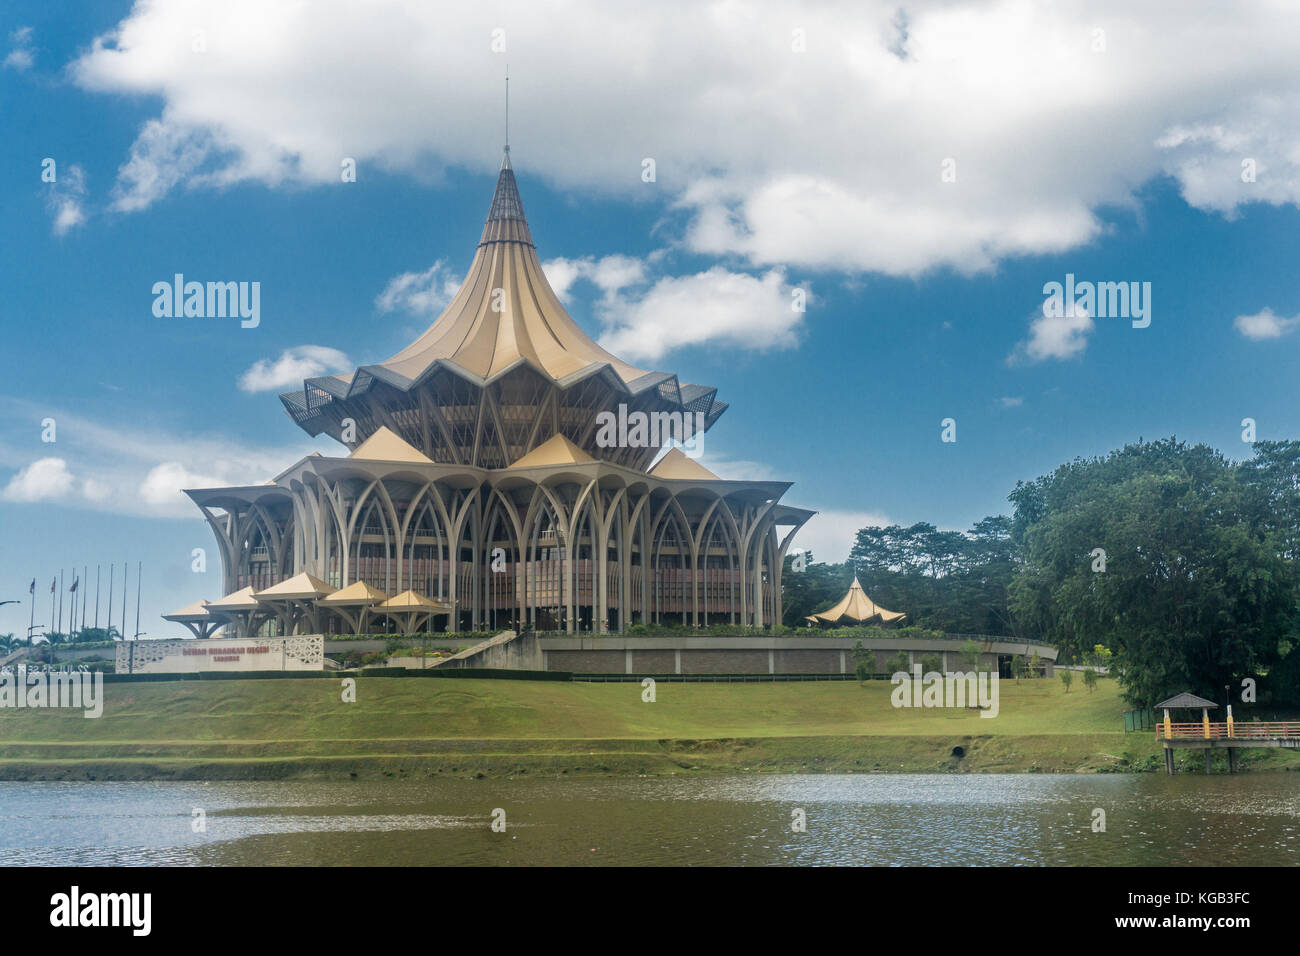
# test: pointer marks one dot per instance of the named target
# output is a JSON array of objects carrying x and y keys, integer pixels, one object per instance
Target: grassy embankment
[{"x": 412, "y": 727}]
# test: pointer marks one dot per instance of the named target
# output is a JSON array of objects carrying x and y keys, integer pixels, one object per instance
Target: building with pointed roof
[
  {"x": 856, "y": 608},
  {"x": 478, "y": 475}
]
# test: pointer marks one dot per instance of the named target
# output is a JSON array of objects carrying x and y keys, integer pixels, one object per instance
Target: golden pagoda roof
[
  {"x": 486, "y": 332},
  {"x": 241, "y": 600},
  {"x": 855, "y": 606},
  {"x": 198, "y": 611},
  {"x": 300, "y": 587},
  {"x": 678, "y": 465},
  {"x": 356, "y": 593},
  {"x": 556, "y": 450},
  {"x": 504, "y": 315},
  {"x": 413, "y": 601},
  {"x": 385, "y": 445}
]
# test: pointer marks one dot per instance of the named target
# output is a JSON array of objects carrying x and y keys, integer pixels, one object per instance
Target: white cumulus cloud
[
  {"x": 292, "y": 366},
  {"x": 21, "y": 57},
  {"x": 830, "y": 534},
  {"x": 66, "y": 199},
  {"x": 1264, "y": 325},
  {"x": 959, "y": 134},
  {"x": 1054, "y": 337},
  {"x": 421, "y": 293},
  {"x": 45, "y": 479},
  {"x": 716, "y": 306}
]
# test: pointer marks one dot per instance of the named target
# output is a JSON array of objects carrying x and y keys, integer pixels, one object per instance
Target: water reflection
[{"x": 736, "y": 820}]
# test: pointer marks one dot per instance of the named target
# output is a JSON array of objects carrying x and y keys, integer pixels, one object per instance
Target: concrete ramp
[
  {"x": 15, "y": 657},
  {"x": 505, "y": 651}
]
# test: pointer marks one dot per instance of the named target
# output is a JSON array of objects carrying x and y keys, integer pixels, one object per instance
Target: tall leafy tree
[{"x": 1194, "y": 592}]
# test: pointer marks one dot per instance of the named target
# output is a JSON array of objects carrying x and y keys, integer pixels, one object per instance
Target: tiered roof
[{"x": 505, "y": 315}]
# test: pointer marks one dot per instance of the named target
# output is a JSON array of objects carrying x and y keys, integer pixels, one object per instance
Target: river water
[{"x": 967, "y": 819}]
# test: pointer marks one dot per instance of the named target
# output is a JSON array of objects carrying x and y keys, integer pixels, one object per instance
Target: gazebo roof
[
  {"x": 413, "y": 601},
  {"x": 356, "y": 593},
  {"x": 1186, "y": 701},
  {"x": 300, "y": 587},
  {"x": 198, "y": 611},
  {"x": 556, "y": 450},
  {"x": 857, "y": 607},
  {"x": 384, "y": 445},
  {"x": 241, "y": 600},
  {"x": 677, "y": 464}
]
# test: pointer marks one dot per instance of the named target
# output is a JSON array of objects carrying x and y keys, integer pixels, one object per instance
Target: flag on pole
[
  {"x": 53, "y": 583},
  {"x": 32, "y": 589},
  {"x": 75, "y": 582}
]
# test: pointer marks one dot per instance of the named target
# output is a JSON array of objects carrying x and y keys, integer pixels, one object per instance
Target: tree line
[{"x": 1185, "y": 564}]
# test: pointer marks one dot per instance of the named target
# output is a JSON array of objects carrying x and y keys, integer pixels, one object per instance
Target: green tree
[
  {"x": 1067, "y": 678},
  {"x": 1195, "y": 591},
  {"x": 898, "y": 664},
  {"x": 1018, "y": 666},
  {"x": 1089, "y": 679},
  {"x": 951, "y": 581},
  {"x": 864, "y": 662},
  {"x": 931, "y": 664}
]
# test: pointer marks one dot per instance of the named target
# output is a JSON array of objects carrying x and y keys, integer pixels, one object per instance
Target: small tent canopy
[
  {"x": 411, "y": 609},
  {"x": 240, "y": 607},
  {"x": 856, "y": 608},
  {"x": 195, "y": 617},
  {"x": 353, "y": 603}
]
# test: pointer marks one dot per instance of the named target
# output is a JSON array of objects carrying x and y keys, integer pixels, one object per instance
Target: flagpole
[
  {"x": 32, "y": 623},
  {"x": 85, "y": 573},
  {"x": 126, "y": 573},
  {"x": 52, "y": 589},
  {"x": 97, "y": 568},
  {"x": 60, "y": 631},
  {"x": 111, "y": 567},
  {"x": 139, "y": 575}
]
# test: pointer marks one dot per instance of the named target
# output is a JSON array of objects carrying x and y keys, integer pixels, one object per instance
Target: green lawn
[
  {"x": 431, "y": 707},
  {"x": 285, "y": 728}
]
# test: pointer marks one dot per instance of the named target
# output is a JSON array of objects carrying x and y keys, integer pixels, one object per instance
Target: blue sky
[{"x": 925, "y": 296}]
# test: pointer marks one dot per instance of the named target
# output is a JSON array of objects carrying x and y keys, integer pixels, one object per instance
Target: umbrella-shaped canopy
[
  {"x": 200, "y": 621},
  {"x": 414, "y": 601},
  {"x": 356, "y": 594},
  {"x": 241, "y": 600},
  {"x": 855, "y": 607},
  {"x": 196, "y": 612},
  {"x": 300, "y": 587}
]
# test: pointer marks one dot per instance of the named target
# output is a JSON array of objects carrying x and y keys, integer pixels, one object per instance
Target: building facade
[{"x": 508, "y": 467}]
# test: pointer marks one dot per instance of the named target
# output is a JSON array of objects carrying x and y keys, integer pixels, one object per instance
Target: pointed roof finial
[{"x": 507, "y": 112}]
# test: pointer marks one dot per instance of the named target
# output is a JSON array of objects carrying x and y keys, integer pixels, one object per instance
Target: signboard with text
[{"x": 302, "y": 653}]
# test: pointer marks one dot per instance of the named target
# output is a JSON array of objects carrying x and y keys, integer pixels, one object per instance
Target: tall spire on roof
[{"x": 505, "y": 221}]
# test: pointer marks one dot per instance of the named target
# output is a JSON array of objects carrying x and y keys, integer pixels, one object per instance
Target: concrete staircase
[{"x": 504, "y": 651}]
